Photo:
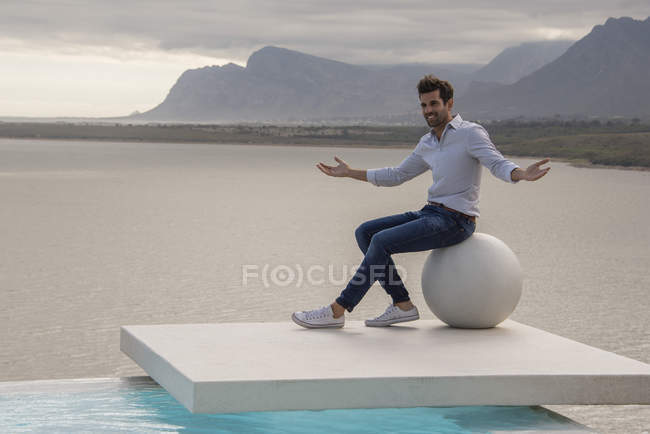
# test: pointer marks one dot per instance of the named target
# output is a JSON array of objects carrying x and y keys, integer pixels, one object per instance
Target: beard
[
  {"x": 438, "y": 118},
  {"x": 434, "y": 121}
]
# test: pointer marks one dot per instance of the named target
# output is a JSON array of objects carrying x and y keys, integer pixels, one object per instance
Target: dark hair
[{"x": 430, "y": 83}]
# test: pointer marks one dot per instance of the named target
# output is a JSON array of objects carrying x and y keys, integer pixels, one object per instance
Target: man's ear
[{"x": 450, "y": 103}]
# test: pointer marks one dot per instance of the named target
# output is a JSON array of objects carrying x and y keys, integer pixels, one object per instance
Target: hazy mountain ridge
[
  {"x": 603, "y": 74},
  {"x": 282, "y": 85},
  {"x": 514, "y": 63}
]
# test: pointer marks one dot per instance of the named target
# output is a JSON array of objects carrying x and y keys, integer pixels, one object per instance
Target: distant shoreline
[
  {"x": 577, "y": 163},
  {"x": 587, "y": 146}
]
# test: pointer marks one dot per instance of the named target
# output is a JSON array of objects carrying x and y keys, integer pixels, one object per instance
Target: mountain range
[
  {"x": 514, "y": 63},
  {"x": 602, "y": 74},
  {"x": 278, "y": 84}
]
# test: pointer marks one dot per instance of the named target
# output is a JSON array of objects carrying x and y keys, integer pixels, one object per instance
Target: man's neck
[{"x": 438, "y": 130}]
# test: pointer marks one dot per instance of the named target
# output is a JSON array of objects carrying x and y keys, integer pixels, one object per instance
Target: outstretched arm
[
  {"x": 412, "y": 166},
  {"x": 532, "y": 172},
  {"x": 481, "y": 147}
]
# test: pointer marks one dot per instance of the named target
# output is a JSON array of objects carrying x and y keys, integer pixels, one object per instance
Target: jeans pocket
[{"x": 466, "y": 227}]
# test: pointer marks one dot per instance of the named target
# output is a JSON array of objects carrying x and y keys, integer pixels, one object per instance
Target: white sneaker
[
  {"x": 393, "y": 315},
  {"x": 318, "y": 318}
]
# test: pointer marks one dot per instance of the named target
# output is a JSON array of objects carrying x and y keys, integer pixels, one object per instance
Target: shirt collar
[{"x": 456, "y": 121}]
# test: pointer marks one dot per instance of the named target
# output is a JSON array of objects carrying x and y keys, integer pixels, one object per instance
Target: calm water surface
[
  {"x": 138, "y": 404},
  {"x": 96, "y": 235}
]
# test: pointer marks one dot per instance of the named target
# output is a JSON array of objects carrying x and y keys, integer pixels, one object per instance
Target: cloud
[
  {"x": 100, "y": 58},
  {"x": 378, "y": 31}
]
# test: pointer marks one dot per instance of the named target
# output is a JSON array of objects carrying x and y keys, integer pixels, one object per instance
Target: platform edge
[{"x": 165, "y": 374}]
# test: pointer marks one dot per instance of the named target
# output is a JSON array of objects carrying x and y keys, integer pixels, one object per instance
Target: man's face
[{"x": 434, "y": 110}]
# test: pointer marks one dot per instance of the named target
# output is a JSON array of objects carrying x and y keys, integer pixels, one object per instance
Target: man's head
[{"x": 436, "y": 100}]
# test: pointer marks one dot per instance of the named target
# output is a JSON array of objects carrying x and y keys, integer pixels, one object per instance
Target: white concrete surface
[{"x": 236, "y": 367}]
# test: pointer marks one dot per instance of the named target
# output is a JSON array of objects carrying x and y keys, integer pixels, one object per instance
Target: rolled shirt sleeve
[
  {"x": 412, "y": 166},
  {"x": 481, "y": 147}
]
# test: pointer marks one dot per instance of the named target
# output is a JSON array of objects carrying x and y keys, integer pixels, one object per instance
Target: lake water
[
  {"x": 96, "y": 235},
  {"x": 138, "y": 404}
]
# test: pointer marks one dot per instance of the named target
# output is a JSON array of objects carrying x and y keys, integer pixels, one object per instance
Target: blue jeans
[{"x": 431, "y": 227}]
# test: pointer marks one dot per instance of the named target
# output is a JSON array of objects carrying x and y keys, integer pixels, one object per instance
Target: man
[{"x": 454, "y": 151}]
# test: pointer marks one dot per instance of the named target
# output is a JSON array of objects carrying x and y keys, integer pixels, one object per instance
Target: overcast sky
[{"x": 101, "y": 58}]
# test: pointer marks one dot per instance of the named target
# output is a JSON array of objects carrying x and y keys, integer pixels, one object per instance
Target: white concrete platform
[{"x": 238, "y": 367}]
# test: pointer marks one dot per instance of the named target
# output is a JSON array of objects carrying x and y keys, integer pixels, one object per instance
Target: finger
[
  {"x": 326, "y": 166},
  {"x": 542, "y": 173},
  {"x": 325, "y": 171},
  {"x": 338, "y": 160},
  {"x": 544, "y": 161}
]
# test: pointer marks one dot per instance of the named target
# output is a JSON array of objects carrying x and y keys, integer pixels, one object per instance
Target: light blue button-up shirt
[{"x": 455, "y": 162}]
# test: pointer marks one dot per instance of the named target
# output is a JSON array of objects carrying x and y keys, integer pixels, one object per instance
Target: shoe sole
[
  {"x": 315, "y": 326},
  {"x": 386, "y": 323}
]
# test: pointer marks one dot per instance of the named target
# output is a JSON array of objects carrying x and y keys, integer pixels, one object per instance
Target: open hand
[
  {"x": 340, "y": 170},
  {"x": 532, "y": 172}
]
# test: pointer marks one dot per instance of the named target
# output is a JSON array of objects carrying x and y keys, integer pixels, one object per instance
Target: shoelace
[
  {"x": 389, "y": 310},
  {"x": 316, "y": 313}
]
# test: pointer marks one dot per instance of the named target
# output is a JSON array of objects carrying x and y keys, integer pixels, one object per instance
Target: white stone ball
[{"x": 474, "y": 284}]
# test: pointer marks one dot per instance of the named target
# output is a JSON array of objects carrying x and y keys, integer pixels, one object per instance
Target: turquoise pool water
[{"x": 138, "y": 404}]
